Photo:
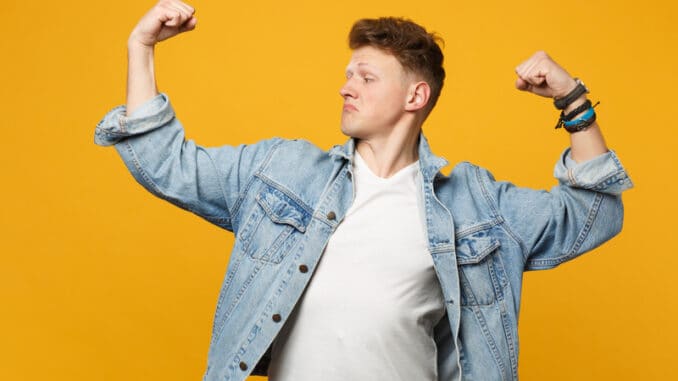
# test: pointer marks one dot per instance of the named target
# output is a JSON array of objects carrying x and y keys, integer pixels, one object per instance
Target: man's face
[{"x": 375, "y": 93}]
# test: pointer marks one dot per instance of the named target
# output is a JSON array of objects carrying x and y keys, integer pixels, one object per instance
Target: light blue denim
[{"x": 283, "y": 199}]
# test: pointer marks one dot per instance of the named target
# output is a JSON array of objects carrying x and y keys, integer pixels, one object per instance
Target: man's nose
[{"x": 347, "y": 90}]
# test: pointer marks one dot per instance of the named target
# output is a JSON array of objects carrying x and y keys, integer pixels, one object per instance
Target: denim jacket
[{"x": 283, "y": 199}]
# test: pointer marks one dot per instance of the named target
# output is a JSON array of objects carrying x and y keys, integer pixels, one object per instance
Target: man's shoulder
[
  {"x": 298, "y": 168},
  {"x": 291, "y": 158},
  {"x": 468, "y": 171},
  {"x": 275, "y": 146},
  {"x": 299, "y": 147}
]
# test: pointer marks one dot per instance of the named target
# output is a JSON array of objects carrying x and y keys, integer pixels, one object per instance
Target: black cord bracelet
[
  {"x": 579, "y": 90},
  {"x": 565, "y": 117}
]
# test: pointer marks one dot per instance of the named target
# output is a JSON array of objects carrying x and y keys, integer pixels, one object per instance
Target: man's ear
[{"x": 418, "y": 96}]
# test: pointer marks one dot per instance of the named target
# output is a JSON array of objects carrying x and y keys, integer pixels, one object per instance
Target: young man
[{"x": 365, "y": 262}]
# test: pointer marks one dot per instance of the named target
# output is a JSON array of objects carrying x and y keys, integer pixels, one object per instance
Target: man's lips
[{"x": 350, "y": 107}]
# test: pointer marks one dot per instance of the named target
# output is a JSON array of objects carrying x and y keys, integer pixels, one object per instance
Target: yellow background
[{"x": 99, "y": 280}]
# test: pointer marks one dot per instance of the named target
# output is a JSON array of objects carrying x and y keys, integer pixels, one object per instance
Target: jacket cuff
[
  {"x": 115, "y": 125},
  {"x": 604, "y": 173}
]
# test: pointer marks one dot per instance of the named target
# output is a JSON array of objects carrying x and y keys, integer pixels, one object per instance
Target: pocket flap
[
  {"x": 474, "y": 248},
  {"x": 282, "y": 209}
]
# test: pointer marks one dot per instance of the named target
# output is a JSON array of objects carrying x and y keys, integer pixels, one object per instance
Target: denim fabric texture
[{"x": 283, "y": 199}]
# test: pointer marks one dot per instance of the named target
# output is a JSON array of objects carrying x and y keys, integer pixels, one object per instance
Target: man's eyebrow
[
  {"x": 361, "y": 64},
  {"x": 370, "y": 68}
]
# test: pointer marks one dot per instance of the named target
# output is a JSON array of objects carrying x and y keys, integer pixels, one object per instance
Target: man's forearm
[
  {"x": 587, "y": 144},
  {"x": 141, "y": 84},
  {"x": 540, "y": 75},
  {"x": 165, "y": 20}
]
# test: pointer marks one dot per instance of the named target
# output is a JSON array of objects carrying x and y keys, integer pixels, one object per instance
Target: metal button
[
  {"x": 331, "y": 216},
  {"x": 276, "y": 318},
  {"x": 303, "y": 268},
  {"x": 243, "y": 366}
]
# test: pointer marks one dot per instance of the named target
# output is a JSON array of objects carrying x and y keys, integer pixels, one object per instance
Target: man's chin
[
  {"x": 353, "y": 130},
  {"x": 346, "y": 130},
  {"x": 350, "y": 133}
]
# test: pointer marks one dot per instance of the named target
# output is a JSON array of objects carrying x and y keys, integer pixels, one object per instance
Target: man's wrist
[
  {"x": 562, "y": 101},
  {"x": 135, "y": 44},
  {"x": 568, "y": 89}
]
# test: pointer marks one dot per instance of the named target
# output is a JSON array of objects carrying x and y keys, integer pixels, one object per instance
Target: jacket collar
[{"x": 429, "y": 163}]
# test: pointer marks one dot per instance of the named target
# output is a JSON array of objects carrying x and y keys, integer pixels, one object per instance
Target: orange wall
[{"x": 101, "y": 281}]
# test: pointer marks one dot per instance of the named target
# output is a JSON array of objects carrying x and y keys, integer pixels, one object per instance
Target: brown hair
[{"x": 415, "y": 48}]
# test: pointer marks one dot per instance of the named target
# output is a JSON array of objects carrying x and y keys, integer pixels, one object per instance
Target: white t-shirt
[{"x": 368, "y": 312}]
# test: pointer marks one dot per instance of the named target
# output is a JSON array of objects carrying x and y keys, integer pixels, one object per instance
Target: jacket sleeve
[
  {"x": 583, "y": 211},
  {"x": 206, "y": 181}
]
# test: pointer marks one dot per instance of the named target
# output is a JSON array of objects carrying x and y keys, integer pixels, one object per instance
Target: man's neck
[{"x": 386, "y": 155}]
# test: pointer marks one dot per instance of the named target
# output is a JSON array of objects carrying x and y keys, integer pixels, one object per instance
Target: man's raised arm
[
  {"x": 151, "y": 141},
  {"x": 165, "y": 20},
  {"x": 540, "y": 75},
  {"x": 585, "y": 208}
]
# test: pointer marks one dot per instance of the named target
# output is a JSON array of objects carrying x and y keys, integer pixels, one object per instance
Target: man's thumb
[{"x": 522, "y": 84}]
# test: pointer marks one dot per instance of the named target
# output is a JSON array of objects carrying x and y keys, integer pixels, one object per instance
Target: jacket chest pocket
[
  {"x": 275, "y": 223},
  {"x": 482, "y": 276}
]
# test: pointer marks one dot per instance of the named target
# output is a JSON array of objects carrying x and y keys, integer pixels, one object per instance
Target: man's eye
[{"x": 367, "y": 79}]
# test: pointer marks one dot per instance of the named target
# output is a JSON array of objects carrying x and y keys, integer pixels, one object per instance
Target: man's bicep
[
  {"x": 559, "y": 225},
  {"x": 205, "y": 181},
  {"x": 577, "y": 215}
]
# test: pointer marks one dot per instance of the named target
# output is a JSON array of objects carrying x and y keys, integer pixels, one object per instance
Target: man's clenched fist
[
  {"x": 541, "y": 75},
  {"x": 166, "y": 19}
]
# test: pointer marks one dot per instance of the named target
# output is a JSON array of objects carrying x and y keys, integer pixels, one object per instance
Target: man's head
[{"x": 396, "y": 69}]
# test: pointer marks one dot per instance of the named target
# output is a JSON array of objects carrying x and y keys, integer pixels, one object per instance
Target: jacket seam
[
  {"x": 496, "y": 220},
  {"x": 284, "y": 190},
  {"x": 222, "y": 221},
  {"x": 328, "y": 196},
  {"x": 221, "y": 187},
  {"x": 489, "y": 339},
  {"x": 495, "y": 209},
  {"x": 148, "y": 181},
  {"x": 250, "y": 179},
  {"x": 602, "y": 184},
  {"x": 581, "y": 237}
]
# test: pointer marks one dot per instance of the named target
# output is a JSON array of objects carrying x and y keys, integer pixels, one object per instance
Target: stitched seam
[
  {"x": 158, "y": 192},
  {"x": 480, "y": 256},
  {"x": 221, "y": 187},
  {"x": 570, "y": 177},
  {"x": 271, "y": 214},
  {"x": 480, "y": 227},
  {"x": 491, "y": 202},
  {"x": 509, "y": 338},
  {"x": 285, "y": 191},
  {"x": 250, "y": 180},
  {"x": 331, "y": 195},
  {"x": 241, "y": 292},
  {"x": 593, "y": 212},
  {"x": 219, "y": 313},
  {"x": 583, "y": 234},
  {"x": 449, "y": 214},
  {"x": 489, "y": 340}
]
